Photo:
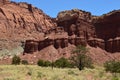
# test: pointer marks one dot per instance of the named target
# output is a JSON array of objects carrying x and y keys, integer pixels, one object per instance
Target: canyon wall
[
  {"x": 20, "y": 22},
  {"x": 107, "y": 27},
  {"x": 82, "y": 28},
  {"x": 23, "y": 25}
]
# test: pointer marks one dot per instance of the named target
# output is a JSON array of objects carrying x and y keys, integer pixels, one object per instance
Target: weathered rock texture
[
  {"x": 76, "y": 27},
  {"x": 43, "y": 37},
  {"x": 107, "y": 27},
  {"x": 20, "y": 22}
]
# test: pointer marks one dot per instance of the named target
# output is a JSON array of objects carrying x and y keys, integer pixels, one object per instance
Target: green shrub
[
  {"x": 16, "y": 60},
  {"x": 112, "y": 66},
  {"x": 40, "y": 75},
  {"x": 25, "y": 62},
  {"x": 40, "y": 63},
  {"x": 29, "y": 72},
  {"x": 62, "y": 63},
  {"x": 70, "y": 72},
  {"x": 47, "y": 63},
  {"x": 115, "y": 78},
  {"x": 8, "y": 79},
  {"x": 44, "y": 63}
]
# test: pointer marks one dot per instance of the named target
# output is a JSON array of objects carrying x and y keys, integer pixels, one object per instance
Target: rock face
[
  {"x": 76, "y": 27},
  {"x": 20, "y": 22},
  {"x": 2, "y": 2},
  {"x": 41, "y": 36},
  {"x": 108, "y": 28}
]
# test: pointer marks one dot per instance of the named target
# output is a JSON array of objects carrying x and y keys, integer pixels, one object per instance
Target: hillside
[
  {"x": 29, "y": 32},
  {"x": 20, "y": 22}
]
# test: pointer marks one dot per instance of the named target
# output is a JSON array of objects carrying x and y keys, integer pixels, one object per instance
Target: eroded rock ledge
[
  {"x": 78, "y": 27},
  {"x": 23, "y": 25}
]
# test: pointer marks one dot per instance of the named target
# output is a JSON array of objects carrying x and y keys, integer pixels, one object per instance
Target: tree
[
  {"x": 25, "y": 62},
  {"x": 80, "y": 58},
  {"x": 16, "y": 60}
]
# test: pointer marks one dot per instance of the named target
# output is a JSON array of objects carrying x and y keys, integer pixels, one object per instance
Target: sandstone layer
[
  {"x": 42, "y": 37},
  {"x": 20, "y": 22},
  {"x": 77, "y": 27}
]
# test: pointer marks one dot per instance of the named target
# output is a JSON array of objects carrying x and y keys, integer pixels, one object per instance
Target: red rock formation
[
  {"x": 77, "y": 29},
  {"x": 108, "y": 28},
  {"x": 43, "y": 36},
  {"x": 31, "y": 46},
  {"x": 22, "y": 21},
  {"x": 2, "y": 2}
]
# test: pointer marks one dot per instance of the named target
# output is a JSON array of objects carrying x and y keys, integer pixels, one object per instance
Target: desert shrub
[
  {"x": 44, "y": 63},
  {"x": 16, "y": 60},
  {"x": 40, "y": 75},
  {"x": 115, "y": 78},
  {"x": 112, "y": 66},
  {"x": 62, "y": 63},
  {"x": 25, "y": 62},
  {"x": 70, "y": 72},
  {"x": 40, "y": 63},
  {"x": 47, "y": 63},
  {"x": 29, "y": 72},
  {"x": 9, "y": 79}
]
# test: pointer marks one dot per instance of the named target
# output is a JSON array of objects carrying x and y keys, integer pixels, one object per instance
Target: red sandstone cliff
[
  {"x": 107, "y": 27},
  {"x": 21, "y": 24},
  {"x": 76, "y": 27}
]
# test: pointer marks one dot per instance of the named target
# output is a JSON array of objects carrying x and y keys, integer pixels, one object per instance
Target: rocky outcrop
[
  {"x": 76, "y": 22},
  {"x": 21, "y": 21},
  {"x": 31, "y": 46},
  {"x": 2, "y": 2},
  {"x": 69, "y": 15},
  {"x": 96, "y": 42},
  {"x": 108, "y": 28},
  {"x": 24, "y": 25},
  {"x": 82, "y": 28},
  {"x": 34, "y": 46}
]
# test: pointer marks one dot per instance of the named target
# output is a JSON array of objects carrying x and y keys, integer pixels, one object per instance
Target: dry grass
[{"x": 34, "y": 72}]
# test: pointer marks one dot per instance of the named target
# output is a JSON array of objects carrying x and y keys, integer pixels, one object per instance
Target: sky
[{"x": 53, "y": 7}]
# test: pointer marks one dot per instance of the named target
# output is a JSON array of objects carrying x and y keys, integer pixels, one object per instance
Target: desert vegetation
[
  {"x": 78, "y": 67},
  {"x": 113, "y": 67},
  {"x": 34, "y": 72},
  {"x": 80, "y": 59},
  {"x": 16, "y": 60}
]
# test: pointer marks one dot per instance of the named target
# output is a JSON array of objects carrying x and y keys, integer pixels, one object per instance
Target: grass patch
[{"x": 34, "y": 72}]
